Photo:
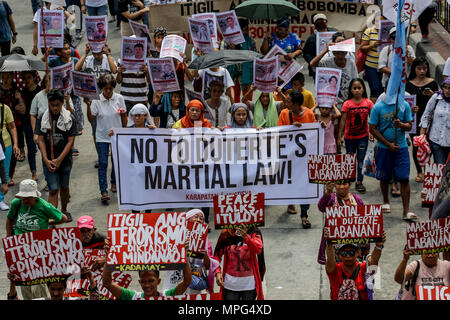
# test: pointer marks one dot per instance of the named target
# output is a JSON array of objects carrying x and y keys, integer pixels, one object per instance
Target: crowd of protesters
[{"x": 30, "y": 109}]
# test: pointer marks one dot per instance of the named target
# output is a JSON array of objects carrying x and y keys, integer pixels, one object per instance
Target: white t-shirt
[
  {"x": 385, "y": 60},
  {"x": 96, "y": 3},
  {"x": 108, "y": 116},
  {"x": 222, "y": 112},
  {"x": 37, "y": 15},
  {"x": 2, "y": 154},
  {"x": 221, "y": 75}
]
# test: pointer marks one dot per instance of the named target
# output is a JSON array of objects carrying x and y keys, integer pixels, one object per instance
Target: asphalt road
[{"x": 290, "y": 251}]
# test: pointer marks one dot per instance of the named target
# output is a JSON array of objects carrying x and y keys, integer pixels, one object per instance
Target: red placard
[
  {"x": 232, "y": 210},
  {"x": 44, "y": 256},
  {"x": 147, "y": 241},
  {"x": 354, "y": 224},
  {"x": 333, "y": 167},
  {"x": 80, "y": 287},
  {"x": 429, "y": 236},
  {"x": 433, "y": 292},
  {"x": 203, "y": 296},
  {"x": 197, "y": 234},
  {"x": 431, "y": 181}
]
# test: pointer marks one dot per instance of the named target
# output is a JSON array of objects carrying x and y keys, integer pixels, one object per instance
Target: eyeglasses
[{"x": 350, "y": 253}]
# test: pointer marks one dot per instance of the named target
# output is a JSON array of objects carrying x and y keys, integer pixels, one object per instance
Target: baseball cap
[
  {"x": 343, "y": 245},
  {"x": 319, "y": 16},
  {"x": 85, "y": 222},
  {"x": 28, "y": 188}
]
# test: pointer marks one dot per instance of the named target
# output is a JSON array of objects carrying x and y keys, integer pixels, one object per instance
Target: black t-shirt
[
  {"x": 126, "y": 5},
  {"x": 97, "y": 242},
  {"x": 60, "y": 138},
  {"x": 421, "y": 99},
  {"x": 28, "y": 97}
]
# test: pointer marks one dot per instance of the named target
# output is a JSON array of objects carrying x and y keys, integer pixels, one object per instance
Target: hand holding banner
[{"x": 430, "y": 236}]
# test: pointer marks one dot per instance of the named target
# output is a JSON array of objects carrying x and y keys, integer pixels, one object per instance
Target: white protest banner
[
  {"x": 140, "y": 30},
  {"x": 411, "y": 99},
  {"x": 328, "y": 81},
  {"x": 85, "y": 85},
  {"x": 170, "y": 168},
  {"x": 162, "y": 74},
  {"x": 354, "y": 224},
  {"x": 287, "y": 67},
  {"x": 200, "y": 35},
  {"x": 390, "y": 9},
  {"x": 212, "y": 25},
  {"x": 172, "y": 46},
  {"x": 433, "y": 292},
  {"x": 133, "y": 54},
  {"x": 322, "y": 39},
  {"x": 61, "y": 77},
  {"x": 96, "y": 31},
  {"x": 229, "y": 27},
  {"x": 429, "y": 236},
  {"x": 265, "y": 74},
  {"x": 44, "y": 256},
  {"x": 431, "y": 182},
  {"x": 54, "y": 29},
  {"x": 383, "y": 33},
  {"x": 345, "y": 45},
  {"x": 147, "y": 241}
]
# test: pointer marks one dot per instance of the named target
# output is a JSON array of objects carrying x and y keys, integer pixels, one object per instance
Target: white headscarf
[
  {"x": 193, "y": 212},
  {"x": 139, "y": 109}
]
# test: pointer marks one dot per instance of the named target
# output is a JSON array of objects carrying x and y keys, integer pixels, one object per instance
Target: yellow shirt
[
  {"x": 8, "y": 118},
  {"x": 371, "y": 35},
  {"x": 308, "y": 98}
]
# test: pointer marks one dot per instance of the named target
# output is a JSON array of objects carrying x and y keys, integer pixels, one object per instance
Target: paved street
[{"x": 290, "y": 251}]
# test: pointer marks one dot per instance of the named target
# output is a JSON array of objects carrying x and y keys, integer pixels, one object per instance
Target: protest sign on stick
[
  {"x": 354, "y": 224},
  {"x": 332, "y": 168},
  {"x": 172, "y": 46},
  {"x": 430, "y": 236},
  {"x": 196, "y": 233},
  {"x": 431, "y": 181},
  {"x": 200, "y": 35},
  {"x": 233, "y": 210},
  {"x": 96, "y": 31},
  {"x": 140, "y": 30},
  {"x": 134, "y": 53},
  {"x": 54, "y": 29},
  {"x": 85, "y": 85},
  {"x": 147, "y": 241},
  {"x": 61, "y": 77},
  {"x": 163, "y": 75},
  {"x": 433, "y": 292},
  {"x": 328, "y": 81},
  {"x": 44, "y": 256},
  {"x": 265, "y": 74}
]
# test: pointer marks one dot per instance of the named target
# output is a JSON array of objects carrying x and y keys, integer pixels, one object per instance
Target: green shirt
[
  {"x": 32, "y": 218},
  {"x": 133, "y": 295}
]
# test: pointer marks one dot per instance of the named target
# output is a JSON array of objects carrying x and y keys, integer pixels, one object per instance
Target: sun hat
[
  {"x": 28, "y": 188},
  {"x": 319, "y": 16}
]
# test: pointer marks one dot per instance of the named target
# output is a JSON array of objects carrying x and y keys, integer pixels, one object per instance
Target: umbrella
[
  {"x": 223, "y": 58},
  {"x": 19, "y": 62},
  {"x": 266, "y": 9}
]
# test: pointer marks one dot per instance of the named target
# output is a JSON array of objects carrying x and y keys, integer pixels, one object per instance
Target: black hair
[
  {"x": 350, "y": 94},
  {"x": 139, "y": 45},
  {"x": 299, "y": 77},
  {"x": 63, "y": 281},
  {"x": 336, "y": 35},
  {"x": 216, "y": 83},
  {"x": 296, "y": 97},
  {"x": 417, "y": 62},
  {"x": 156, "y": 272},
  {"x": 18, "y": 50},
  {"x": 335, "y": 78},
  {"x": 243, "y": 23},
  {"x": 55, "y": 95},
  {"x": 105, "y": 79}
]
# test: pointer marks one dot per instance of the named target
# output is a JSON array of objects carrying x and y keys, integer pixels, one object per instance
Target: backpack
[{"x": 348, "y": 289}]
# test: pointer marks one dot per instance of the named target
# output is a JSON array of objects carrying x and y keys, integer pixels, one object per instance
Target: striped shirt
[
  {"x": 134, "y": 88},
  {"x": 371, "y": 35}
]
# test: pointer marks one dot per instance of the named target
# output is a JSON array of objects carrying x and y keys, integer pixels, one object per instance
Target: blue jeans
[
  {"x": 103, "y": 149},
  {"x": 373, "y": 77},
  {"x": 60, "y": 179},
  {"x": 97, "y": 11},
  {"x": 31, "y": 146},
  {"x": 6, "y": 162},
  {"x": 440, "y": 154},
  {"x": 358, "y": 146}
]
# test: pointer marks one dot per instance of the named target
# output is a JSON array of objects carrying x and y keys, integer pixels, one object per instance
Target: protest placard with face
[
  {"x": 172, "y": 46},
  {"x": 265, "y": 74},
  {"x": 96, "y": 31},
  {"x": 229, "y": 27},
  {"x": 85, "y": 85},
  {"x": 163, "y": 75},
  {"x": 327, "y": 86},
  {"x": 140, "y": 30},
  {"x": 61, "y": 77},
  {"x": 134, "y": 53},
  {"x": 53, "y": 27},
  {"x": 200, "y": 35}
]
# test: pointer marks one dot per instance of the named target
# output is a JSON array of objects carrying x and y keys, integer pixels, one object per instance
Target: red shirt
[
  {"x": 357, "y": 124},
  {"x": 336, "y": 280}
]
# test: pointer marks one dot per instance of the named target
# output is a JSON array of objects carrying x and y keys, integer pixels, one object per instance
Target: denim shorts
[
  {"x": 198, "y": 283},
  {"x": 392, "y": 164},
  {"x": 60, "y": 178}
]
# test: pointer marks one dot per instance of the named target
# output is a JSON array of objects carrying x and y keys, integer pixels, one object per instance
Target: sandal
[
  {"x": 113, "y": 188},
  {"x": 21, "y": 157},
  {"x": 386, "y": 208},
  {"x": 305, "y": 223},
  {"x": 75, "y": 152},
  {"x": 11, "y": 183},
  {"x": 291, "y": 209},
  {"x": 419, "y": 177},
  {"x": 410, "y": 216},
  {"x": 395, "y": 192},
  {"x": 105, "y": 198}
]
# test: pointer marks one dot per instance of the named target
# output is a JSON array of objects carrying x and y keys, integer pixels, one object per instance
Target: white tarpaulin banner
[
  {"x": 416, "y": 6},
  {"x": 169, "y": 168}
]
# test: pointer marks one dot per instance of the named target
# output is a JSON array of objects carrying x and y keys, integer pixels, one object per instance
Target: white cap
[
  {"x": 393, "y": 29},
  {"x": 28, "y": 188},
  {"x": 447, "y": 68},
  {"x": 319, "y": 16}
]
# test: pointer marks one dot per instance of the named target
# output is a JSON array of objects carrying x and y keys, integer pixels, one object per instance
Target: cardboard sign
[
  {"x": 331, "y": 168},
  {"x": 80, "y": 287},
  {"x": 429, "y": 236},
  {"x": 431, "y": 181},
  {"x": 345, "y": 45},
  {"x": 196, "y": 233},
  {"x": 232, "y": 210},
  {"x": 355, "y": 224},
  {"x": 44, "y": 256},
  {"x": 147, "y": 241},
  {"x": 203, "y": 296},
  {"x": 433, "y": 292}
]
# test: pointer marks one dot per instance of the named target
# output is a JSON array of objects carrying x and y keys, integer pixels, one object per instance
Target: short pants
[
  {"x": 60, "y": 178},
  {"x": 392, "y": 164}
]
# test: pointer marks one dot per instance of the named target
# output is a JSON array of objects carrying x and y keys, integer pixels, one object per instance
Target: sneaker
[
  {"x": 69, "y": 217},
  {"x": 3, "y": 206},
  {"x": 360, "y": 188}
]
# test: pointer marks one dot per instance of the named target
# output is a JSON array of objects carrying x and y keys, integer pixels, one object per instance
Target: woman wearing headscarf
[
  {"x": 195, "y": 112},
  {"x": 169, "y": 107},
  {"x": 435, "y": 123},
  {"x": 240, "y": 116},
  {"x": 265, "y": 109},
  {"x": 139, "y": 117}
]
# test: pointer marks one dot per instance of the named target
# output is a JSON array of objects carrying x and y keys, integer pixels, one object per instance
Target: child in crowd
[{"x": 327, "y": 119}]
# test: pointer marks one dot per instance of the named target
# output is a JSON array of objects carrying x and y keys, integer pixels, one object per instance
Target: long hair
[
  {"x": 350, "y": 94},
  {"x": 417, "y": 62}
]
